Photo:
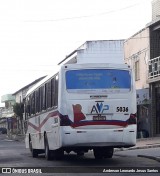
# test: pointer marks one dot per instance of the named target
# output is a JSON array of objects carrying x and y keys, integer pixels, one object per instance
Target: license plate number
[{"x": 99, "y": 117}]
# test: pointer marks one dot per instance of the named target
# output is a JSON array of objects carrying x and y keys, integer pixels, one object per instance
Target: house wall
[
  {"x": 155, "y": 44},
  {"x": 136, "y": 48},
  {"x": 19, "y": 96},
  {"x": 154, "y": 80},
  {"x": 7, "y": 97},
  {"x": 155, "y": 9},
  {"x": 101, "y": 51}
]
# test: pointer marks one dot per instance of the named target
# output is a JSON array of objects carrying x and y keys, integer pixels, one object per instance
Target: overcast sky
[{"x": 37, "y": 34}]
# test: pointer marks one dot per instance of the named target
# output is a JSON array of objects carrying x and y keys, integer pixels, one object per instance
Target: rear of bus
[{"x": 99, "y": 104}]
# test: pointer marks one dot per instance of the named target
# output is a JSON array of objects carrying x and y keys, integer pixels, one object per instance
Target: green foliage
[{"x": 18, "y": 109}]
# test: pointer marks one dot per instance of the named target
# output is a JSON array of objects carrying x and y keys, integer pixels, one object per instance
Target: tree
[{"x": 18, "y": 109}]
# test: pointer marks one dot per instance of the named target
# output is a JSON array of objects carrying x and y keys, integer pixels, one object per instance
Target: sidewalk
[
  {"x": 19, "y": 137},
  {"x": 146, "y": 143}
]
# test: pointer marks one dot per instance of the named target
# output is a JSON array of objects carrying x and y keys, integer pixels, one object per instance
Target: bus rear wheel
[
  {"x": 103, "y": 152},
  {"x": 98, "y": 153},
  {"x": 34, "y": 152},
  {"x": 48, "y": 153},
  {"x": 108, "y": 152},
  {"x": 59, "y": 154},
  {"x": 52, "y": 154}
]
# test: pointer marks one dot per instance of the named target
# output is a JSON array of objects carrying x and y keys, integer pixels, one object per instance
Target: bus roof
[
  {"x": 42, "y": 81},
  {"x": 96, "y": 65}
]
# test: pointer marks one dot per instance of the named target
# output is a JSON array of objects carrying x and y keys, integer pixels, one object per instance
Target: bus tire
[
  {"x": 58, "y": 154},
  {"x": 108, "y": 153},
  {"x": 80, "y": 153},
  {"x": 98, "y": 154},
  {"x": 48, "y": 153},
  {"x": 34, "y": 152}
]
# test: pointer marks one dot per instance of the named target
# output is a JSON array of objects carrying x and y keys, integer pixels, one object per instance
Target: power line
[
  {"x": 135, "y": 55},
  {"x": 137, "y": 37},
  {"x": 85, "y": 16}
]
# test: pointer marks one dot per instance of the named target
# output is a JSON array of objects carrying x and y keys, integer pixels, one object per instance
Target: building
[
  {"x": 154, "y": 75},
  {"x": 19, "y": 97},
  {"x": 3, "y": 123},
  {"x": 8, "y": 119},
  {"x": 136, "y": 54},
  {"x": 21, "y": 93},
  {"x": 142, "y": 53},
  {"x": 110, "y": 50}
]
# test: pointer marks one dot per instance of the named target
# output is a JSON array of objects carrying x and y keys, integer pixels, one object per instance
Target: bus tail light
[{"x": 132, "y": 119}]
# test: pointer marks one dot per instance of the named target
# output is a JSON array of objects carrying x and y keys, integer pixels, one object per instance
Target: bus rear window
[{"x": 101, "y": 79}]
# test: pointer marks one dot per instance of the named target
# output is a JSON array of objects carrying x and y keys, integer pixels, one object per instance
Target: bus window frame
[
  {"x": 99, "y": 90},
  {"x": 31, "y": 100}
]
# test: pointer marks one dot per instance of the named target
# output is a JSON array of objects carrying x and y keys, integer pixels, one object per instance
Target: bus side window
[
  {"x": 30, "y": 104},
  {"x": 54, "y": 94},
  {"x": 41, "y": 98},
  {"x": 56, "y": 90},
  {"x": 44, "y": 97},
  {"x": 49, "y": 94},
  {"x": 28, "y": 110},
  {"x": 33, "y": 103},
  {"x": 37, "y": 101}
]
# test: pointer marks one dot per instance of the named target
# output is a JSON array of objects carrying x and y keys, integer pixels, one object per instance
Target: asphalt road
[{"x": 14, "y": 154}]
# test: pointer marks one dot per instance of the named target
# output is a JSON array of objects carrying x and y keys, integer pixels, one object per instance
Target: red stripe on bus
[
  {"x": 50, "y": 115},
  {"x": 81, "y": 123},
  {"x": 116, "y": 123}
]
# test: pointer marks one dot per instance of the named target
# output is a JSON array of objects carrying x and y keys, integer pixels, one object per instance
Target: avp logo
[{"x": 99, "y": 108}]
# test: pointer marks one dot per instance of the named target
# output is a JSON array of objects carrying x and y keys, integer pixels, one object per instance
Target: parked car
[{"x": 3, "y": 131}]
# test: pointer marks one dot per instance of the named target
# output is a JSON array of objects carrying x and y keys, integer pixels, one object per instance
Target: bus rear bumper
[{"x": 117, "y": 137}]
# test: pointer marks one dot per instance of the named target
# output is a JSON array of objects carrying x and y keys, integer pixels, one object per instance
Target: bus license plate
[{"x": 99, "y": 117}]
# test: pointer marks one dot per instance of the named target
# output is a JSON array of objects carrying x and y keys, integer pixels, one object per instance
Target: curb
[
  {"x": 150, "y": 157},
  {"x": 8, "y": 140},
  {"x": 18, "y": 138},
  {"x": 138, "y": 147},
  {"x": 147, "y": 139},
  {"x": 144, "y": 147}
]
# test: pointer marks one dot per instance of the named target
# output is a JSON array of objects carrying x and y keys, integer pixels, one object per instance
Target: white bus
[{"x": 82, "y": 107}]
